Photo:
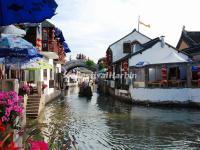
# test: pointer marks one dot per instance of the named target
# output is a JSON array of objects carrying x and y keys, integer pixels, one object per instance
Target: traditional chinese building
[
  {"x": 118, "y": 54},
  {"x": 189, "y": 43}
]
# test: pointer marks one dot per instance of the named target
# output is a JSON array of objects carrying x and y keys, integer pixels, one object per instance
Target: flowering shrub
[
  {"x": 24, "y": 89},
  {"x": 37, "y": 145},
  {"x": 10, "y": 109}
]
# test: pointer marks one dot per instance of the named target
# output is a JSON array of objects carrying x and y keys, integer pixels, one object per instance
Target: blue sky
[{"x": 90, "y": 26}]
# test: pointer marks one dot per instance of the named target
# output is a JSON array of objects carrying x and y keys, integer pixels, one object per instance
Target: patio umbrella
[
  {"x": 23, "y": 11},
  {"x": 16, "y": 47},
  {"x": 12, "y": 30},
  {"x": 36, "y": 65},
  {"x": 22, "y": 60},
  {"x": 16, "y": 50},
  {"x": 59, "y": 34},
  {"x": 66, "y": 48}
]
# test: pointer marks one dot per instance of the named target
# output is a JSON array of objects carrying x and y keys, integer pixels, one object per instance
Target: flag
[{"x": 146, "y": 25}]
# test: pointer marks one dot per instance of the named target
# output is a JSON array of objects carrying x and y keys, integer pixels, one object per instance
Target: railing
[{"x": 172, "y": 83}]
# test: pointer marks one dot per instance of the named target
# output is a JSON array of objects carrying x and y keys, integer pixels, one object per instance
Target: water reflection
[{"x": 103, "y": 123}]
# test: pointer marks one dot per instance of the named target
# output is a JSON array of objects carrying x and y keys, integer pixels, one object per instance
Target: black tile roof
[
  {"x": 190, "y": 37},
  {"x": 195, "y": 36},
  {"x": 128, "y": 35},
  {"x": 192, "y": 50},
  {"x": 47, "y": 24},
  {"x": 144, "y": 46},
  {"x": 147, "y": 45}
]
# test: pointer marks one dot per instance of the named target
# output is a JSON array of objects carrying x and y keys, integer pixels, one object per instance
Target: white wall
[
  {"x": 48, "y": 90},
  {"x": 59, "y": 68},
  {"x": 161, "y": 95},
  {"x": 157, "y": 54},
  {"x": 39, "y": 75},
  {"x": 117, "y": 48}
]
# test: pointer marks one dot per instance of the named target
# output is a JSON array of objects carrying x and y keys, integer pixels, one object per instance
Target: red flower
[
  {"x": 2, "y": 129},
  {"x": 12, "y": 146}
]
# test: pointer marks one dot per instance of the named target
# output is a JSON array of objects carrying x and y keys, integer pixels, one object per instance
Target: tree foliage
[
  {"x": 102, "y": 66},
  {"x": 90, "y": 63}
]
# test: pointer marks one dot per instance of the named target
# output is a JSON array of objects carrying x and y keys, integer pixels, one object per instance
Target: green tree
[
  {"x": 101, "y": 66},
  {"x": 90, "y": 63}
]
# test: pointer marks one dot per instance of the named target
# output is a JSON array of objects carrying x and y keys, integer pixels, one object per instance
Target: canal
[{"x": 101, "y": 123}]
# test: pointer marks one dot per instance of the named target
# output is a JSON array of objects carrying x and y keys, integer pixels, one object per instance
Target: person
[{"x": 85, "y": 84}]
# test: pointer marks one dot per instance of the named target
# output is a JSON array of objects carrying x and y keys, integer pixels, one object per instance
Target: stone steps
[
  {"x": 32, "y": 115},
  {"x": 32, "y": 107}
]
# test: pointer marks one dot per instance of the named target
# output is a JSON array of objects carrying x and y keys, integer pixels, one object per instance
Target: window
[
  {"x": 31, "y": 75},
  {"x": 51, "y": 74},
  {"x": 44, "y": 46},
  {"x": 45, "y": 74},
  {"x": 174, "y": 73},
  {"x": 45, "y": 35},
  {"x": 127, "y": 47},
  {"x": 155, "y": 74},
  {"x": 136, "y": 47},
  {"x": 139, "y": 74}
]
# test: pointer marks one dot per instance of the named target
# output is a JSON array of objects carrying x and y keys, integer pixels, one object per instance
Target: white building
[
  {"x": 117, "y": 47},
  {"x": 119, "y": 52},
  {"x": 47, "y": 75},
  {"x": 163, "y": 74}
]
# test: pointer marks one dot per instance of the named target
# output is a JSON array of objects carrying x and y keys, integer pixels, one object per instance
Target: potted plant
[
  {"x": 24, "y": 89},
  {"x": 43, "y": 87}
]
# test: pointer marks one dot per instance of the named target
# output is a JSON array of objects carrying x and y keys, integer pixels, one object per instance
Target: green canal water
[{"x": 101, "y": 123}]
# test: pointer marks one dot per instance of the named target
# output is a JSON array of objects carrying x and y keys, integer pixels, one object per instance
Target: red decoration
[
  {"x": 125, "y": 66},
  {"x": 164, "y": 73},
  {"x": 198, "y": 73}
]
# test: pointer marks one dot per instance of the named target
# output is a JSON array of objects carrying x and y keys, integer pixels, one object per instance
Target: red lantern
[
  {"x": 198, "y": 73},
  {"x": 125, "y": 66},
  {"x": 164, "y": 73}
]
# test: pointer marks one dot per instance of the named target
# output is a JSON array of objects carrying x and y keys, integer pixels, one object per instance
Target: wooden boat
[{"x": 85, "y": 91}]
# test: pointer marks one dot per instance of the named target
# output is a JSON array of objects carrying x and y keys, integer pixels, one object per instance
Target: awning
[
  {"x": 142, "y": 63},
  {"x": 152, "y": 58},
  {"x": 20, "y": 11},
  {"x": 12, "y": 30},
  {"x": 50, "y": 55}
]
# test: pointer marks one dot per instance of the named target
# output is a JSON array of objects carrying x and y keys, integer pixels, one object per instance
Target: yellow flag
[{"x": 146, "y": 25}]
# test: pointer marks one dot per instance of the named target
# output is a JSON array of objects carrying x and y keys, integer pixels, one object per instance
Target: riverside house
[
  {"x": 117, "y": 56},
  {"x": 163, "y": 73},
  {"x": 43, "y": 36}
]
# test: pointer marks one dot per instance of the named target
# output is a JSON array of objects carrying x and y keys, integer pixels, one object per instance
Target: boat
[{"x": 85, "y": 91}]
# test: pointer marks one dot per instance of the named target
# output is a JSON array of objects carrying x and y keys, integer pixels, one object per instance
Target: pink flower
[
  {"x": 38, "y": 145},
  {"x": 4, "y": 119},
  {"x": 8, "y": 110},
  {"x": 10, "y": 102}
]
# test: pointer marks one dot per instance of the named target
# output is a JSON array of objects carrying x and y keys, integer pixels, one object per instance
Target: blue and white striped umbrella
[{"x": 13, "y": 46}]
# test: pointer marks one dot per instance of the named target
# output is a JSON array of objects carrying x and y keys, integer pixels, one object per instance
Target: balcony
[{"x": 53, "y": 46}]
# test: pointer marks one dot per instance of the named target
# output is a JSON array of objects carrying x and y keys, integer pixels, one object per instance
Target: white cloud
[{"x": 90, "y": 26}]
